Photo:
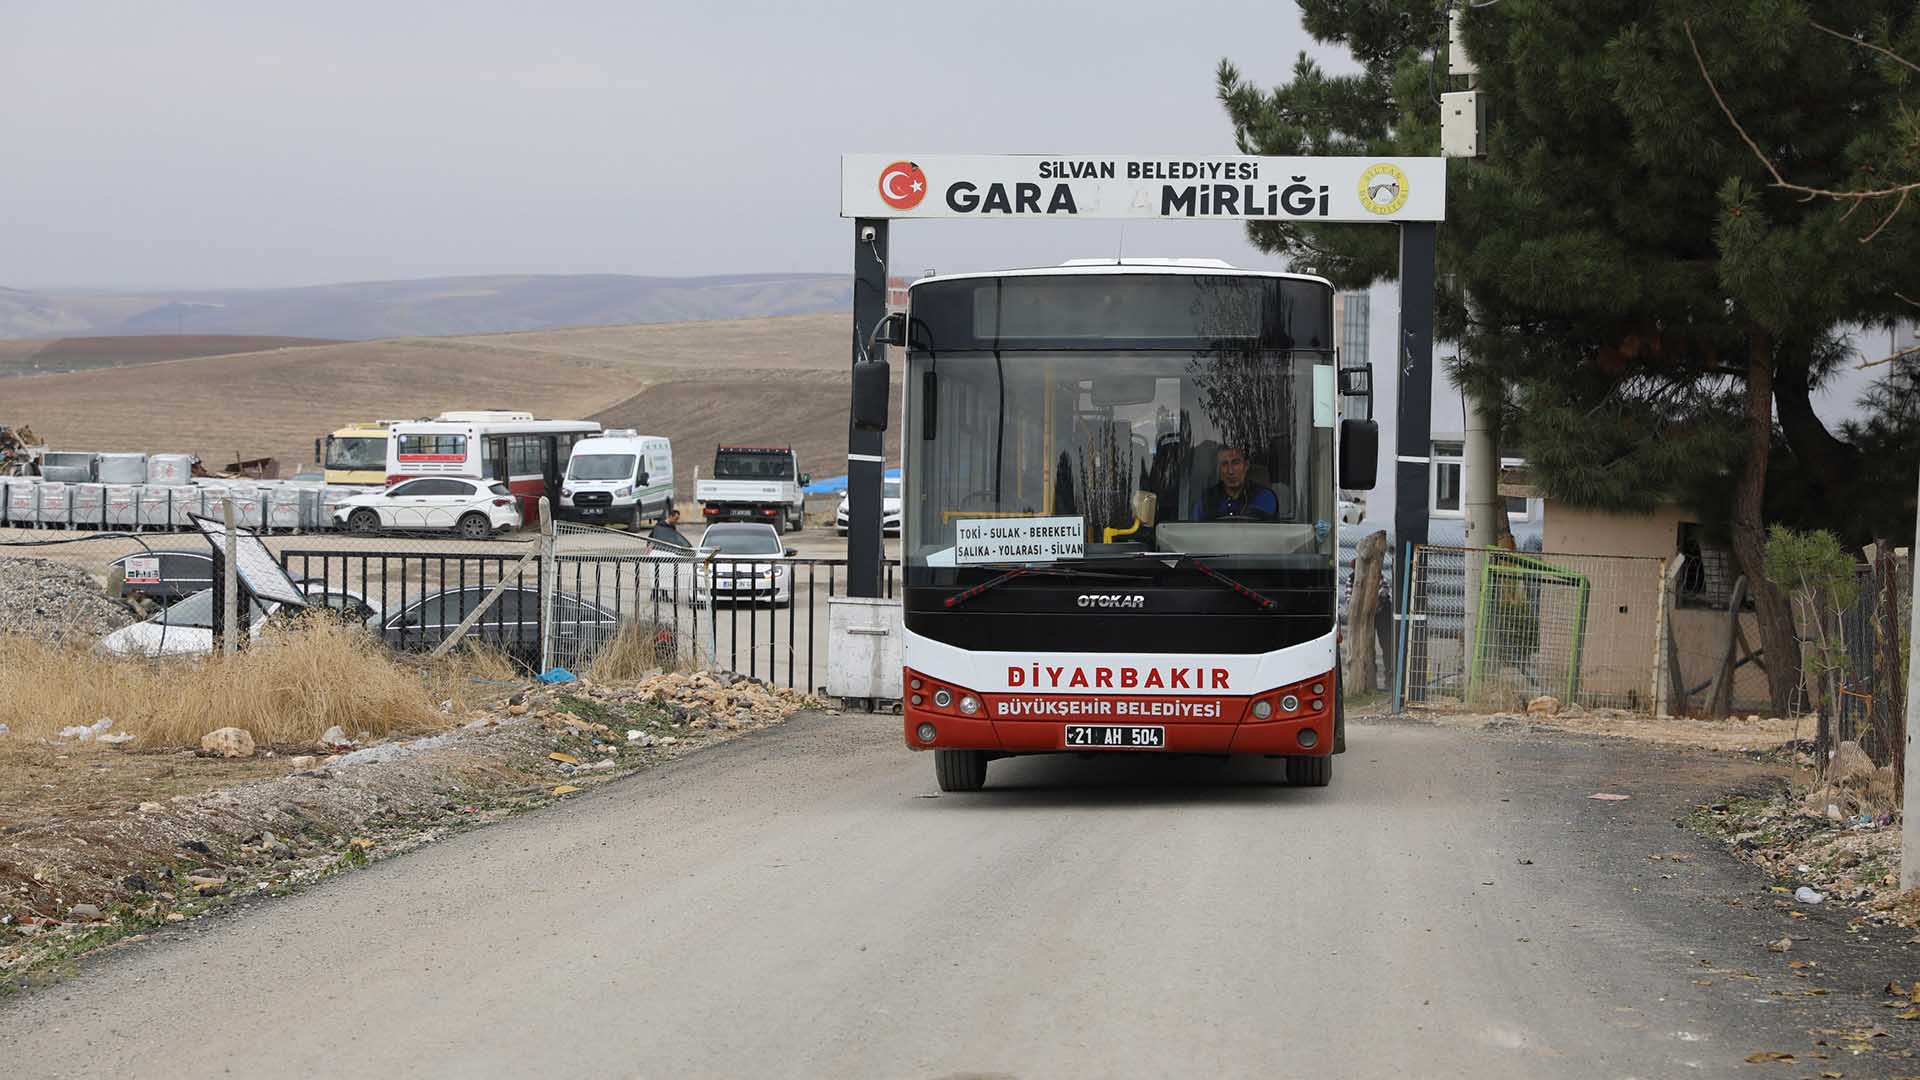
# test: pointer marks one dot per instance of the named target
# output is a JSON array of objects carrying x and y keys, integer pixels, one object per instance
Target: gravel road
[{"x": 797, "y": 904}]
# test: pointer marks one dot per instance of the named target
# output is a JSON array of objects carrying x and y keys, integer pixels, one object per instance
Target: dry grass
[
  {"x": 286, "y": 689},
  {"x": 636, "y": 651}
]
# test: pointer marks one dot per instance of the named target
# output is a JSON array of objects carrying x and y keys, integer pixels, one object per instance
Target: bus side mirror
[
  {"x": 1359, "y": 454},
  {"x": 870, "y": 396}
]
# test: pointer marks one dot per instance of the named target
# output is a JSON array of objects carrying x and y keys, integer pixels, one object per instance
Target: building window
[
  {"x": 1447, "y": 484},
  {"x": 1446, "y": 476}
]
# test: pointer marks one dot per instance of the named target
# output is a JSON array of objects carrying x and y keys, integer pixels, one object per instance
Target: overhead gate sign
[{"x": 1237, "y": 188}]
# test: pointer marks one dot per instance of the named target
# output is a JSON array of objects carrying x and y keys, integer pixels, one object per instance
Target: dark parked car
[
  {"x": 162, "y": 576},
  {"x": 512, "y": 624}
]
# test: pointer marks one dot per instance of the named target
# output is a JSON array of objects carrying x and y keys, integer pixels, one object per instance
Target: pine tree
[{"x": 1637, "y": 266}]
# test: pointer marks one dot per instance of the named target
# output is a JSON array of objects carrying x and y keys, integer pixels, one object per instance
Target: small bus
[{"x": 525, "y": 453}]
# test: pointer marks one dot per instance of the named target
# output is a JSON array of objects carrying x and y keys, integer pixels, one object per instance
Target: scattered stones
[
  {"x": 56, "y": 603},
  {"x": 227, "y": 742},
  {"x": 174, "y": 916},
  {"x": 334, "y": 738},
  {"x": 518, "y": 708},
  {"x": 1785, "y": 944},
  {"x": 302, "y": 761},
  {"x": 117, "y": 738},
  {"x": 152, "y": 807},
  {"x": 84, "y": 913},
  {"x": 1544, "y": 705}
]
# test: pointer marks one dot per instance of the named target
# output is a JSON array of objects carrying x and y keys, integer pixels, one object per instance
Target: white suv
[{"x": 476, "y": 509}]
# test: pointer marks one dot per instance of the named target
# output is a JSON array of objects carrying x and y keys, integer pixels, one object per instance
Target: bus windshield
[
  {"x": 1222, "y": 451},
  {"x": 356, "y": 452}
]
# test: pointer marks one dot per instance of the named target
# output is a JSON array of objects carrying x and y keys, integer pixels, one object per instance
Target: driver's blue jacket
[{"x": 1255, "y": 501}]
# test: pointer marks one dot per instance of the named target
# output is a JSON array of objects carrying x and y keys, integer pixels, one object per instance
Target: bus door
[
  {"x": 493, "y": 464},
  {"x": 550, "y": 465}
]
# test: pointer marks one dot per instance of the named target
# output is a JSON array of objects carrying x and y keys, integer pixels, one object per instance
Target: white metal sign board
[
  {"x": 143, "y": 570},
  {"x": 1236, "y": 188},
  {"x": 1018, "y": 540}
]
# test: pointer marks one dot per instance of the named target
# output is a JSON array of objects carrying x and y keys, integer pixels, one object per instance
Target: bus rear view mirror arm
[{"x": 1359, "y": 454}]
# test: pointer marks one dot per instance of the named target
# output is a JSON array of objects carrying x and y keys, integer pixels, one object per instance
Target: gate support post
[{"x": 866, "y": 450}]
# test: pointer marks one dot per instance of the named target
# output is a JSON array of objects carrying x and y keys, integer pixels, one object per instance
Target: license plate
[
  {"x": 1108, "y": 737},
  {"x": 591, "y": 511}
]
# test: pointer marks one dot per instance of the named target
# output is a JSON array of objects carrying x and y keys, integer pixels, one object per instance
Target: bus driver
[{"x": 1233, "y": 496}]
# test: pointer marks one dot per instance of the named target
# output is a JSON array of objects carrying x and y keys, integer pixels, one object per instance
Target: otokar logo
[{"x": 1112, "y": 600}]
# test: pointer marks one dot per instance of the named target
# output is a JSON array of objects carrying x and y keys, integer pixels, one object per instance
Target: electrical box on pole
[
  {"x": 1463, "y": 124},
  {"x": 1458, "y": 62}
]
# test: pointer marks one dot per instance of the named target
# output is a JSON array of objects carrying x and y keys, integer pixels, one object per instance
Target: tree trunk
[
  {"x": 1749, "y": 530},
  {"x": 1833, "y": 459},
  {"x": 1363, "y": 600}
]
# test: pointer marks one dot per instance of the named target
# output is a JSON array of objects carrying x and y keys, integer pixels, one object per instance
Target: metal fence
[
  {"x": 1494, "y": 629},
  {"x": 1872, "y": 680},
  {"x": 760, "y": 616}
]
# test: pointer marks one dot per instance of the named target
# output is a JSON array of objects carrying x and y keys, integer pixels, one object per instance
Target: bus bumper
[{"x": 1306, "y": 732}]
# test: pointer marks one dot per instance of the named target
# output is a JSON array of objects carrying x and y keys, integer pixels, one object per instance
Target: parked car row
[{"x": 735, "y": 563}]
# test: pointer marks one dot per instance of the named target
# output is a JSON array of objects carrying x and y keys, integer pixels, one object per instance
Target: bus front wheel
[
  {"x": 1310, "y": 771},
  {"x": 960, "y": 770}
]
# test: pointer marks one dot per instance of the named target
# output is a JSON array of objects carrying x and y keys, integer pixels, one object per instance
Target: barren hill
[
  {"x": 765, "y": 380},
  {"x": 368, "y": 310}
]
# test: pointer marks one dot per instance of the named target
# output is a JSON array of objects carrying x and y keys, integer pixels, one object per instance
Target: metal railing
[{"x": 1492, "y": 629}]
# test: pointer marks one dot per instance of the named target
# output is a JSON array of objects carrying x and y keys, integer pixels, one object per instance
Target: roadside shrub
[
  {"x": 639, "y": 648},
  {"x": 285, "y": 688}
]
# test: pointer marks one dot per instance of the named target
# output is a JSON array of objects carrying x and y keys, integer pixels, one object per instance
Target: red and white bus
[
  {"x": 1120, "y": 517},
  {"x": 526, "y": 454}
]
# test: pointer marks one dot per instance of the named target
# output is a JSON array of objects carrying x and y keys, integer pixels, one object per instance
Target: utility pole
[{"x": 1910, "y": 787}]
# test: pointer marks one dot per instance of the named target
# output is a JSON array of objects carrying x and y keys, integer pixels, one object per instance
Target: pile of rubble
[
  {"x": 1835, "y": 838},
  {"x": 56, "y": 603}
]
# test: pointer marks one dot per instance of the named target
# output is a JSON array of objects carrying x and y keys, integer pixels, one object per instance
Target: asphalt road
[{"x": 796, "y": 904}]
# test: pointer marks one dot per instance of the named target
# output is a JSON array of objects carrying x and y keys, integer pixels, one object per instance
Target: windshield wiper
[
  {"x": 1265, "y": 602},
  {"x": 1021, "y": 571}
]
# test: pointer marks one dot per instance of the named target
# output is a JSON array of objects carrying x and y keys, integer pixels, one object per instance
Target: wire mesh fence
[{"x": 1494, "y": 629}]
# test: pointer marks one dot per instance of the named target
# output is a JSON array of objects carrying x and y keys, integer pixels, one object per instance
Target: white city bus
[
  {"x": 1120, "y": 518},
  {"x": 526, "y": 454}
]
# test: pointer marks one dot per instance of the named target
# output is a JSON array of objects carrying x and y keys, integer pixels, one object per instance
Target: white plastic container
[
  {"x": 21, "y": 499},
  {"x": 170, "y": 469},
  {"x": 283, "y": 507},
  {"x": 123, "y": 506},
  {"x": 86, "y": 505},
  {"x": 51, "y": 503}
]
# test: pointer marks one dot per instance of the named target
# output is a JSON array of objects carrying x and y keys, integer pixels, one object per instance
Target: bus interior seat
[{"x": 1203, "y": 471}]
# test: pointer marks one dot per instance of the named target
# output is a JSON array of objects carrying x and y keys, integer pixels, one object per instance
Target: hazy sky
[{"x": 270, "y": 143}]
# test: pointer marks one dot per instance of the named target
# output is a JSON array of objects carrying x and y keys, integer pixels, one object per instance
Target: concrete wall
[{"x": 1578, "y": 531}]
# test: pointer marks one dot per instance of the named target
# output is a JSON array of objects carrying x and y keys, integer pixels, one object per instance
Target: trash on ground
[
  {"x": 1807, "y": 896},
  {"x": 1607, "y": 796},
  {"x": 557, "y": 675}
]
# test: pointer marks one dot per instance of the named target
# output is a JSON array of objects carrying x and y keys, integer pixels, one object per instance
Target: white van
[{"x": 618, "y": 476}]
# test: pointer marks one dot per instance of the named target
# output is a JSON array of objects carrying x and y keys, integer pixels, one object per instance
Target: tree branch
[
  {"x": 1888, "y": 53},
  {"x": 1864, "y": 364},
  {"x": 1856, "y": 197}
]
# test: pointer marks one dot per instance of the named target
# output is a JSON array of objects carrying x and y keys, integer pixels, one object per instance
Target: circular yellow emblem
[{"x": 1383, "y": 188}]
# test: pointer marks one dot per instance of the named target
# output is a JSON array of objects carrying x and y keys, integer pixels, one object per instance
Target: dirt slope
[{"x": 763, "y": 379}]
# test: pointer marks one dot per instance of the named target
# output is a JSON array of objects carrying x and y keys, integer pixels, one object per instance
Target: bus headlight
[
  {"x": 924, "y": 732},
  {"x": 942, "y": 698},
  {"x": 1290, "y": 703},
  {"x": 969, "y": 704},
  {"x": 1262, "y": 709}
]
